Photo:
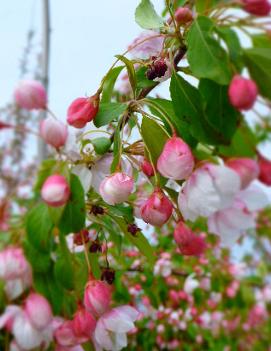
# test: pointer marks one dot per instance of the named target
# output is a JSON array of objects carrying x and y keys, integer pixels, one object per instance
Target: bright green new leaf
[
  {"x": 130, "y": 70},
  {"x": 205, "y": 55},
  {"x": 109, "y": 112},
  {"x": 101, "y": 145},
  {"x": 154, "y": 137},
  {"x": 146, "y": 16},
  {"x": 109, "y": 83}
]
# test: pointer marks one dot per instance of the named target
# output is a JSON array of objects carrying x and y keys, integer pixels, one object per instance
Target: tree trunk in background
[{"x": 46, "y": 31}]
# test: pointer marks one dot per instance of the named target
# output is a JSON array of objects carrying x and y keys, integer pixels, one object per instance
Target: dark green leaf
[
  {"x": 258, "y": 61},
  {"x": 205, "y": 55},
  {"x": 116, "y": 149},
  {"x": 160, "y": 107},
  {"x": 39, "y": 228},
  {"x": 108, "y": 112},
  {"x": 101, "y": 145},
  {"x": 232, "y": 41},
  {"x": 154, "y": 137},
  {"x": 146, "y": 16},
  {"x": 74, "y": 215},
  {"x": 218, "y": 111},
  {"x": 95, "y": 268},
  {"x": 203, "y": 5},
  {"x": 63, "y": 272},
  {"x": 40, "y": 262},
  {"x": 243, "y": 144},
  {"x": 188, "y": 106},
  {"x": 109, "y": 83},
  {"x": 130, "y": 70}
]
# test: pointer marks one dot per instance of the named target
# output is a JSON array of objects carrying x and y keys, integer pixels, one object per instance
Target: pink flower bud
[
  {"x": 64, "y": 334},
  {"x": 38, "y": 311},
  {"x": 176, "y": 160},
  {"x": 31, "y": 95},
  {"x": 116, "y": 188},
  {"x": 247, "y": 169},
  {"x": 242, "y": 93},
  {"x": 183, "y": 15},
  {"x": 189, "y": 243},
  {"x": 97, "y": 297},
  {"x": 53, "y": 132},
  {"x": 265, "y": 170},
  {"x": 82, "y": 111},
  {"x": 147, "y": 168},
  {"x": 55, "y": 191},
  {"x": 157, "y": 209},
  {"x": 13, "y": 264},
  {"x": 257, "y": 7},
  {"x": 83, "y": 325}
]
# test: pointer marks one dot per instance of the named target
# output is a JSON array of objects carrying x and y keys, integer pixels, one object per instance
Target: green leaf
[
  {"x": 108, "y": 112},
  {"x": 261, "y": 40},
  {"x": 39, "y": 228},
  {"x": 109, "y": 83},
  {"x": 40, "y": 262},
  {"x": 130, "y": 70},
  {"x": 232, "y": 41},
  {"x": 206, "y": 57},
  {"x": 101, "y": 145},
  {"x": 138, "y": 240},
  {"x": 204, "y": 5},
  {"x": 95, "y": 268},
  {"x": 116, "y": 149},
  {"x": 63, "y": 268},
  {"x": 146, "y": 16},
  {"x": 258, "y": 61},
  {"x": 243, "y": 144},
  {"x": 220, "y": 114},
  {"x": 44, "y": 172},
  {"x": 63, "y": 272},
  {"x": 154, "y": 137},
  {"x": 160, "y": 107},
  {"x": 187, "y": 104},
  {"x": 74, "y": 215}
]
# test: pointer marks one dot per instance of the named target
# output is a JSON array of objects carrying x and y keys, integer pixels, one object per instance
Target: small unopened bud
[{"x": 183, "y": 15}]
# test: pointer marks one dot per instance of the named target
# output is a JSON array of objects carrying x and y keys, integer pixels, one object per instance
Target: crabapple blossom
[
  {"x": 97, "y": 297},
  {"x": 53, "y": 132},
  {"x": 85, "y": 176},
  {"x": 83, "y": 325},
  {"x": 148, "y": 44},
  {"x": 64, "y": 334},
  {"x": 82, "y": 110},
  {"x": 189, "y": 243},
  {"x": 157, "y": 209},
  {"x": 31, "y": 95},
  {"x": 176, "y": 160},
  {"x": 55, "y": 190},
  {"x": 13, "y": 264},
  {"x": 116, "y": 188},
  {"x": 38, "y": 311},
  {"x": 247, "y": 169},
  {"x": 112, "y": 326},
  {"x": 242, "y": 93},
  {"x": 190, "y": 284},
  {"x": 147, "y": 168},
  {"x": 209, "y": 189}
]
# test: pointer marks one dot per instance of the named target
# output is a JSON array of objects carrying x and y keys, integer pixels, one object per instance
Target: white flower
[
  {"x": 112, "y": 326},
  {"x": 232, "y": 222},
  {"x": 190, "y": 284},
  {"x": 209, "y": 189}
]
